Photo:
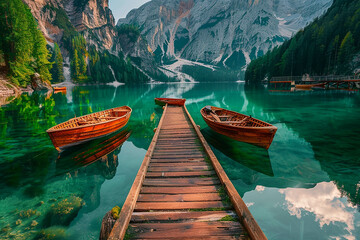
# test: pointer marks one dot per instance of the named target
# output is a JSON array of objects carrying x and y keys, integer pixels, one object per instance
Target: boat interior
[
  {"x": 94, "y": 118},
  {"x": 234, "y": 119}
]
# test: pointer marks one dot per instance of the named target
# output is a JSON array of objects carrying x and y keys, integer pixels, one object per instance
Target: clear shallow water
[{"x": 306, "y": 186}]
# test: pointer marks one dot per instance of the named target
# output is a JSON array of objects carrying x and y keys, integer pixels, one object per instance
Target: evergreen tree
[
  {"x": 57, "y": 70},
  {"x": 75, "y": 66},
  {"x": 22, "y": 43},
  {"x": 346, "y": 48},
  {"x": 326, "y": 46}
]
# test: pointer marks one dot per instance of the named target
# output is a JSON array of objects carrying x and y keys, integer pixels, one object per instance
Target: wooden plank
[
  {"x": 177, "y": 160},
  {"x": 177, "y": 141},
  {"x": 180, "y": 182},
  {"x": 179, "y": 230},
  {"x": 237, "y": 237},
  {"x": 178, "y": 156},
  {"x": 178, "y": 169},
  {"x": 121, "y": 224},
  {"x": 175, "y": 135},
  {"x": 146, "y": 206},
  {"x": 171, "y": 145},
  {"x": 178, "y": 146},
  {"x": 182, "y": 138},
  {"x": 200, "y": 197},
  {"x": 243, "y": 212},
  {"x": 202, "y": 216},
  {"x": 176, "y": 190},
  {"x": 178, "y": 153},
  {"x": 178, "y": 127},
  {"x": 180, "y": 174},
  {"x": 181, "y": 164}
]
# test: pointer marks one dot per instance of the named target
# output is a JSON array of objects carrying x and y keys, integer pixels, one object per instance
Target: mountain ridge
[
  {"x": 238, "y": 31},
  {"x": 328, "y": 46}
]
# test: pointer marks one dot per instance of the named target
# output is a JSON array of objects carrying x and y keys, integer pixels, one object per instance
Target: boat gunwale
[
  {"x": 52, "y": 130},
  {"x": 169, "y": 100},
  {"x": 237, "y": 127}
]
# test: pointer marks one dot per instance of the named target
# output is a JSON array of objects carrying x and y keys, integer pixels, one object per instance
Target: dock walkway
[{"x": 181, "y": 190}]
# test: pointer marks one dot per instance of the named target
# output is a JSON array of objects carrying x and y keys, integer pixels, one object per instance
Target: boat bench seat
[
  {"x": 230, "y": 122},
  {"x": 80, "y": 123}
]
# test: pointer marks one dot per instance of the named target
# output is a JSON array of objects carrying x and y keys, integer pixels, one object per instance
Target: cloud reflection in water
[{"x": 324, "y": 201}]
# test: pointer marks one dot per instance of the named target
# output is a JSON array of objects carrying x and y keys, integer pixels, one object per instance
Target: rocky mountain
[
  {"x": 227, "y": 33},
  {"x": 62, "y": 20},
  {"x": 92, "y": 17},
  {"x": 328, "y": 46}
]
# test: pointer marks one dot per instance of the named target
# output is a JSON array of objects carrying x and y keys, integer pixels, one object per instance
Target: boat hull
[
  {"x": 63, "y": 138},
  {"x": 309, "y": 86},
  {"x": 258, "y": 136},
  {"x": 170, "y": 101}
]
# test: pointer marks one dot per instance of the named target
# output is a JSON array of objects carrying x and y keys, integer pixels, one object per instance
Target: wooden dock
[{"x": 181, "y": 191}]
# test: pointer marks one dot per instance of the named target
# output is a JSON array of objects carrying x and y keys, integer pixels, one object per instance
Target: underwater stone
[
  {"x": 34, "y": 223},
  {"x": 63, "y": 212},
  {"x": 53, "y": 233}
]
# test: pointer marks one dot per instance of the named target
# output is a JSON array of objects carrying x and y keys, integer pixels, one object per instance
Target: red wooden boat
[
  {"x": 91, "y": 126},
  {"x": 309, "y": 86},
  {"x": 170, "y": 101},
  {"x": 238, "y": 126},
  {"x": 59, "y": 89}
]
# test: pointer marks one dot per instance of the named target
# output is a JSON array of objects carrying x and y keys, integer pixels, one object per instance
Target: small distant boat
[
  {"x": 309, "y": 86},
  {"x": 238, "y": 126},
  {"x": 59, "y": 89},
  {"x": 88, "y": 127},
  {"x": 170, "y": 101}
]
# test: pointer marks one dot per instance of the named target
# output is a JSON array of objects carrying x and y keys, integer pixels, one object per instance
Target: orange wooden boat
[
  {"x": 59, "y": 89},
  {"x": 238, "y": 126},
  {"x": 84, "y": 128},
  {"x": 309, "y": 86},
  {"x": 170, "y": 101}
]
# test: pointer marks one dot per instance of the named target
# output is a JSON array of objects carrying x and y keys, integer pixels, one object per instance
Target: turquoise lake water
[{"x": 306, "y": 186}]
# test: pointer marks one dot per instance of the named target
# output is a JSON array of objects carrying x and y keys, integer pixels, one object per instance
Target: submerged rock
[
  {"x": 63, "y": 212},
  {"x": 53, "y": 233}
]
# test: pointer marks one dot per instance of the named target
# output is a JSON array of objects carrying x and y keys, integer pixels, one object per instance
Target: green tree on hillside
[
  {"x": 326, "y": 46},
  {"x": 22, "y": 43},
  {"x": 57, "y": 70},
  {"x": 346, "y": 48}
]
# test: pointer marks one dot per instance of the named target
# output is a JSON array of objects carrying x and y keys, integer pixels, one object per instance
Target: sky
[{"x": 122, "y": 7}]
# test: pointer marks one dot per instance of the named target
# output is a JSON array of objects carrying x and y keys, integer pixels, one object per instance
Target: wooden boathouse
[
  {"x": 329, "y": 82},
  {"x": 181, "y": 191}
]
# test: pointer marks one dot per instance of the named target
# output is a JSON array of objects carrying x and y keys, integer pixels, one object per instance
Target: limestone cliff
[
  {"x": 221, "y": 32},
  {"x": 93, "y": 19}
]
